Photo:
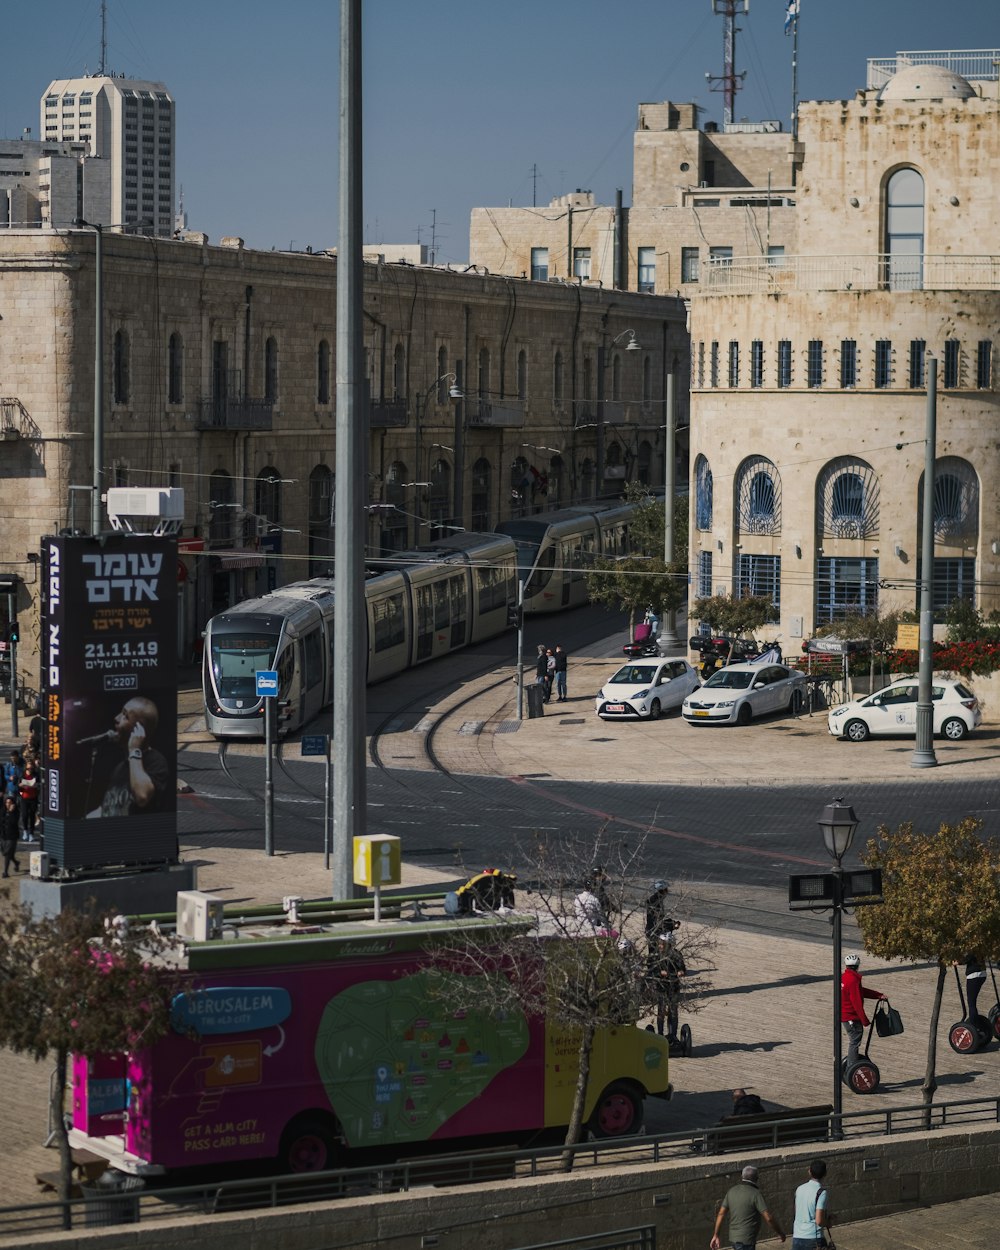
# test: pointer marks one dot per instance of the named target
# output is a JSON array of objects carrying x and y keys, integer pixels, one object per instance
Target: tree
[
  {"x": 734, "y": 617},
  {"x": 942, "y": 903},
  {"x": 77, "y": 983},
  {"x": 546, "y": 960},
  {"x": 643, "y": 579},
  {"x": 875, "y": 628}
]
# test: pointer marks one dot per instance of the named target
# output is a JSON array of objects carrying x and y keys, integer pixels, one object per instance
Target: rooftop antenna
[
  {"x": 730, "y": 82},
  {"x": 102, "y": 67}
]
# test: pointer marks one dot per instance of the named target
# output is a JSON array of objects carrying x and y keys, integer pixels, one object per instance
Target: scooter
[
  {"x": 863, "y": 1076},
  {"x": 966, "y": 1036},
  {"x": 643, "y": 645}
]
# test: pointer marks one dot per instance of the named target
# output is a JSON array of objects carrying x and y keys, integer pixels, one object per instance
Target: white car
[
  {"x": 738, "y": 693},
  {"x": 645, "y": 688},
  {"x": 893, "y": 710}
]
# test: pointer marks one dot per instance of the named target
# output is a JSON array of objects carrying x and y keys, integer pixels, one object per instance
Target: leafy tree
[
  {"x": 734, "y": 617},
  {"x": 942, "y": 903},
  {"x": 875, "y": 628},
  {"x": 77, "y": 983},
  {"x": 643, "y": 579},
  {"x": 545, "y": 960}
]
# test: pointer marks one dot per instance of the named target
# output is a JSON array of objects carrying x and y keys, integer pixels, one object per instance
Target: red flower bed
[{"x": 959, "y": 657}]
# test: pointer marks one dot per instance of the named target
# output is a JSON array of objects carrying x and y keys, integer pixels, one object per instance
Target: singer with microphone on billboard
[{"x": 139, "y": 781}]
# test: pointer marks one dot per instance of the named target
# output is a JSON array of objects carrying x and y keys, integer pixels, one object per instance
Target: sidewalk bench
[{"x": 773, "y": 1128}]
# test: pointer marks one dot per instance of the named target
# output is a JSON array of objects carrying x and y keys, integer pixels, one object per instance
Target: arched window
[
  {"x": 522, "y": 376},
  {"x": 647, "y": 381},
  {"x": 395, "y": 523},
  {"x": 267, "y": 494},
  {"x": 643, "y": 462},
  {"x": 120, "y": 367},
  {"x": 703, "y": 494},
  {"x": 556, "y": 470},
  {"x": 588, "y": 379},
  {"x": 614, "y": 464},
  {"x": 616, "y": 376},
  {"x": 442, "y": 378},
  {"x": 175, "y": 369},
  {"x": 482, "y": 477},
  {"x": 439, "y": 502},
  {"x": 321, "y": 505},
  {"x": 399, "y": 372},
  {"x": 221, "y": 502},
  {"x": 271, "y": 370},
  {"x": 557, "y": 378},
  {"x": 483, "y": 379},
  {"x": 956, "y": 503},
  {"x": 323, "y": 372},
  {"x": 588, "y": 479},
  {"x": 904, "y": 230},
  {"x": 758, "y": 508},
  {"x": 847, "y": 504},
  {"x": 520, "y": 487}
]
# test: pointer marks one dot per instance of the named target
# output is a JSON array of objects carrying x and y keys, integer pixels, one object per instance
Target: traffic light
[
  {"x": 514, "y": 615},
  {"x": 13, "y": 632}
]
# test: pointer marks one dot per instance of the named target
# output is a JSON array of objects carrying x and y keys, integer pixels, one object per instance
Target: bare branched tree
[{"x": 582, "y": 950}]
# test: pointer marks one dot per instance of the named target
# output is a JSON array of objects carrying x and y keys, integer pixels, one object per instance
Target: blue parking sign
[{"x": 267, "y": 684}]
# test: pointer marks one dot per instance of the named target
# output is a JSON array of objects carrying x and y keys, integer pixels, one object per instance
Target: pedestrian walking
[
  {"x": 561, "y": 659},
  {"x": 852, "y": 1006},
  {"x": 541, "y": 666},
  {"x": 812, "y": 1222},
  {"x": 745, "y": 1206},
  {"x": 12, "y": 774},
  {"x": 9, "y": 830},
  {"x": 550, "y": 673},
  {"x": 28, "y": 796}
]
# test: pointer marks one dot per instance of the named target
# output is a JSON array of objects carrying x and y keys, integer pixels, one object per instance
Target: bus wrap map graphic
[{"x": 396, "y": 1066}]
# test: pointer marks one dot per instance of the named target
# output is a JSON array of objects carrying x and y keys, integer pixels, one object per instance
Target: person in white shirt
[{"x": 811, "y": 1219}]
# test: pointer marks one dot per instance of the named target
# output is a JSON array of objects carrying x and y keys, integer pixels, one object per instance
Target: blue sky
[{"x": 463, "y": 98}]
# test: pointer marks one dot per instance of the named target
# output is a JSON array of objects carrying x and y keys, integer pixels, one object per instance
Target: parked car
[
  {"x": 893, "y": 710},
  {"x": 738, "y": 693},
  {"x": 645, "y": 688}
]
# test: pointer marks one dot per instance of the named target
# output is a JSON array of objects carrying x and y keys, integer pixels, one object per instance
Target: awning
[
  {"x": 238, "y": 558},
  {"x": 190, "y": 546}
]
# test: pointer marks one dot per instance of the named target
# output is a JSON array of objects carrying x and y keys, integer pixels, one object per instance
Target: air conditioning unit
[{"x": 199, "y": 916}]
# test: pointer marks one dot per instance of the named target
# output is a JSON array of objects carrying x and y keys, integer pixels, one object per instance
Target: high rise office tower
[{"x": 130, "y": 123}]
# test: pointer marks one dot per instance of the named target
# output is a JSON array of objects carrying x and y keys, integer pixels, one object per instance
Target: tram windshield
[{"x": 236, "y": 659}]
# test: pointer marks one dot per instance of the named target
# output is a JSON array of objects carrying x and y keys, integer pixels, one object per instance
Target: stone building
[
  {"x": 489, "y": 397},
  {"x": 810, "y": 378},
  {"x": 52, "y": 184},
  {"x": 699, "y": 194}
]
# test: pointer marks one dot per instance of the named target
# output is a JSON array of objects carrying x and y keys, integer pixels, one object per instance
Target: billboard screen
[{"x": 109, "y": 699}]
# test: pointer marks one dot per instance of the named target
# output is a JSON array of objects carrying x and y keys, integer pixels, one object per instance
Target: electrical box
[
  {"x": 38, "y": 865},
  {"x": 377, "y": 861},
  {"x": 199, "y": 916}
]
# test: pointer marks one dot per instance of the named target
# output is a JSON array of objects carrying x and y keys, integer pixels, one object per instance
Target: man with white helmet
[{"x": 852, "y": 1005}]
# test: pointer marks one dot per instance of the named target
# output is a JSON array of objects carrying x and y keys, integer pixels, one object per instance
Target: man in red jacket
[{"x": 852, "y": 1005}]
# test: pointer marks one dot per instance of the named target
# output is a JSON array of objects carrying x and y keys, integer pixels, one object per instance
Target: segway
[
  {"x": 862, "y": 1076},
  {"x": 682, "y": 1047},
  {"x": 966, "y": 1036}
]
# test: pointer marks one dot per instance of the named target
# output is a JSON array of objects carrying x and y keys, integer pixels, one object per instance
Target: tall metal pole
[
  {"x": 520, "y": 647},
  {"x": 12, "y": 656},
  {"x": 601, "y": 367},
  {"x": 269, "y": 776},
  {"x": 923, "y": 753},
  {"x": 669, "y": 632},
  {"x": 838, "y": 1089},
  {"x": 350, "y": 650},
  {"x": 95, "y": 502}
]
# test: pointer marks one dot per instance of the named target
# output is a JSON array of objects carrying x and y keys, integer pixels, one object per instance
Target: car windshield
[
  {"x": 726, "y": 679},
  {"x": 633, "y": 675}
]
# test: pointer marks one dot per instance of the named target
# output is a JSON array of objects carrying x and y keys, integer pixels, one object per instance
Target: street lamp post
[
  {"x": 669, "y": 633},
  {"x": 923, "y": 751},
  {"x": 631, "y": 346},
  {"x": 95, "y": 502},
  {"x": 838, "y": 825}
]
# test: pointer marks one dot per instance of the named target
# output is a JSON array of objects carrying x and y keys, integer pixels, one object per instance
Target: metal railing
[
  {"x": 15, "y": 421},
  {"x": 483, "y": 411},
  {"x": 468, "y": 1168},
  {"x": 223, "y": 412},
  {"x": 387, "y": 414},
  {"x": 761, "y": 275},
  {"x": 974, "y": 63}
]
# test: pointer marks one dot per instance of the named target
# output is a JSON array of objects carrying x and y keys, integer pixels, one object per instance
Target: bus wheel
[
  {"x": 618, "y": 1112},
  {"x": 308, "y": 1145}
]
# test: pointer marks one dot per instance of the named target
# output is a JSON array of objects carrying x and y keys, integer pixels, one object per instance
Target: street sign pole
[{"x": 267, "y": 689}]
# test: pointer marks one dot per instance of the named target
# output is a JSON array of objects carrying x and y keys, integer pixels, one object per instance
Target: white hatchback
[
  {"x": 645, "y": 688},
  {"x": 739, "y": 693},
  {"x": 893, "y": 710}
]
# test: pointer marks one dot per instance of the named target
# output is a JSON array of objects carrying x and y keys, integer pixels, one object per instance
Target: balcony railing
[
  {"x": 763, "y": 275},
  {"x": 495, "y": 413},
  {"x": 978, "y": 64},
  {"x": 15, "y": 422},
  {"x": 225, "y": 413},
  {"x": 386, "y": 414}
]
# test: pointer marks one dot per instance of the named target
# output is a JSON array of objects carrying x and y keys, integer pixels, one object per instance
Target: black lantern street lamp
[{"x": 838, "y": 825}]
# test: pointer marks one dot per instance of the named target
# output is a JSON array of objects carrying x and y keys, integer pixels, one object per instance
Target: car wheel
[
  {"x": 654, "y": 710},
  {"x": 953, "y": 729},
  {"x": 308, "y": 1144},
  {"x": 745, "y": 715},
  {"x": 856, "y": 731},
  {"x": 618, "y": 1112}
]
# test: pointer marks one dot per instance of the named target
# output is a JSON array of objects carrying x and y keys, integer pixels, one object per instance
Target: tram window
[
  {"x": 235, "y": 660},
  {"x": 313, "y": 654},
  {"x": 387, "y": 622},
  {"x": 541, "y": 575},
  {"x": 493, "y": 588},
  {"x": 425, "y": 621},
  {"x": 442, "y": 607}
]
